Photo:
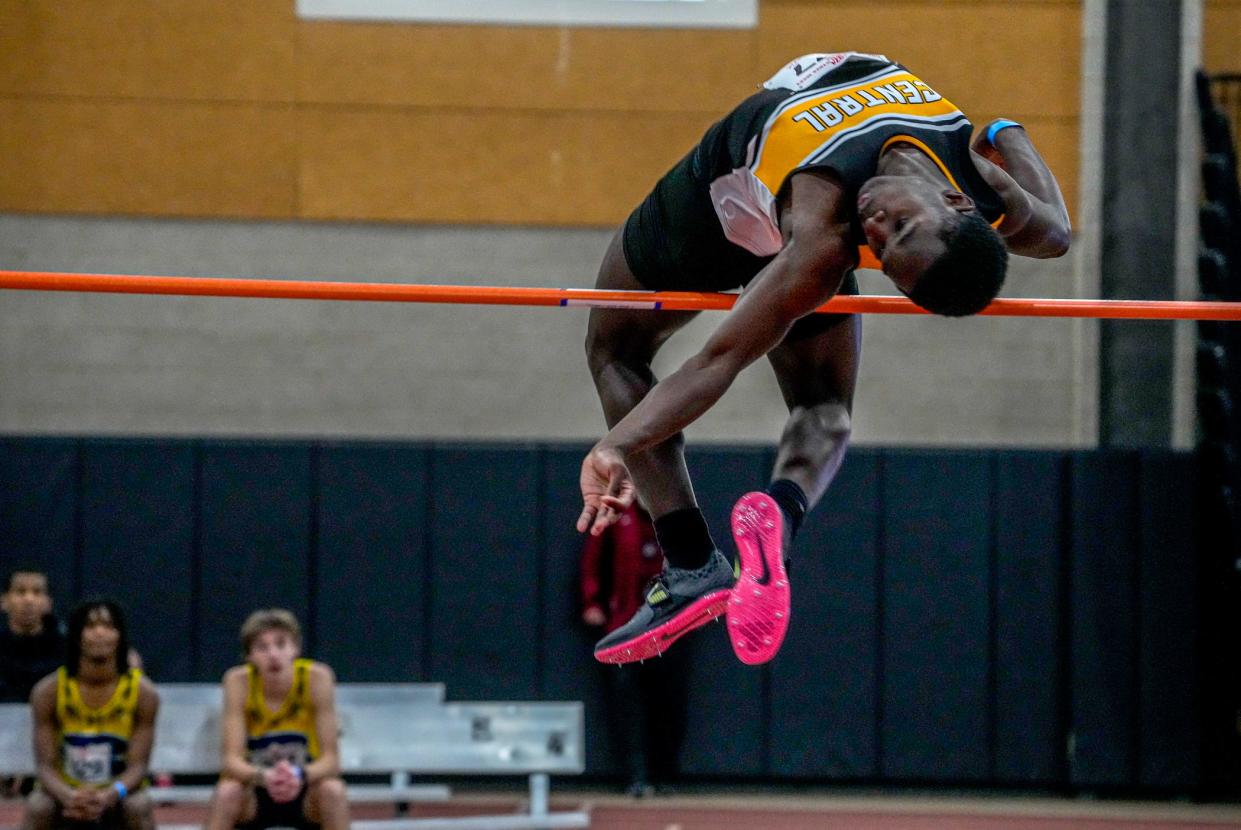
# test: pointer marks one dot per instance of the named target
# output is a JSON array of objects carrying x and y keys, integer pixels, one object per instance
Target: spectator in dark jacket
[{"x": 32, "y": 643}]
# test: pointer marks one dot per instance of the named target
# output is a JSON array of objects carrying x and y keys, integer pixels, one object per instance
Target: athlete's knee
[
  {"x": 599, "y": 351},
  {"x": 606, "y": 347},
  {"x": 40, "y": 811},
  {"x": 620, "y": 367},
  {"x": 830, "y": 421},
  {"x": 229, "y": 795},
  {"x": 136, "y": 809},
  {"x": 329, "y": 791}
]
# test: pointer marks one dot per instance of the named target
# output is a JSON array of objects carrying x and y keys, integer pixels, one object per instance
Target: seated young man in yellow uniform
[
  {"x": 94, "y": 726},
  {"x": 281, "y": 766}
]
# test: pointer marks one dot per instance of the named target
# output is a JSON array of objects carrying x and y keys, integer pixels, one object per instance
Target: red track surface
[{"x": 825, "y": 813}]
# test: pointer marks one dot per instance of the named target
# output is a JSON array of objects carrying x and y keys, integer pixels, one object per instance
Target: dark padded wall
[
  {"x": 138, "y": 540},
  {"x": 371, "y": 609},
  {"x": 254, "y": 542},
  {"x": 569, "y": 671},
  {"x": 1103, "y": 597},
  {"x": 727, "y": 700},
  {"x": 39, "y": 511},
  {"x": 825, "y": 704},
  {"x": 935, "y": 623},
  {"x": 1015, "y": 618},
  {"x": 1028, "y": 609},
  {"x": 1168, "y": 631},
  {"x": 484, "y": 562}
]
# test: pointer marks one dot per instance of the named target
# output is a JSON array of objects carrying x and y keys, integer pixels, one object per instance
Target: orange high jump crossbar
[{"x": 654, "y": 300}]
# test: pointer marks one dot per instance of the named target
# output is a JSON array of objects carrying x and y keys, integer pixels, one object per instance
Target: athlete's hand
[
  {"x": 607, "y": 489},
  {"x": 101, "y": 799},
  {"x": 80, "y": 806},
  {"x": 282, "y": 782}
]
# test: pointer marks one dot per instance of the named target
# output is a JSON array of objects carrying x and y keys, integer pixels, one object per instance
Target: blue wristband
[
  {"x": 1002, "y": 124},
  {"x": 121, "y": 790}
]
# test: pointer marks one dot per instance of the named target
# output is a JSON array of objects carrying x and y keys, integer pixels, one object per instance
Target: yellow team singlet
[
  {"x": 94, "y": 742},
  {"x": 288, "y": 734}
]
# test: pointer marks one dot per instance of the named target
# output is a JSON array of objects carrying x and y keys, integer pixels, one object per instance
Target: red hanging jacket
[{"x": 617, "y": 564}]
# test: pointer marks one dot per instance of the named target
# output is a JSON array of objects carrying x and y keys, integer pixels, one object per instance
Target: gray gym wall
[
  {"x": 118, "y": 365},
  {"x": 128, "y": 365}
]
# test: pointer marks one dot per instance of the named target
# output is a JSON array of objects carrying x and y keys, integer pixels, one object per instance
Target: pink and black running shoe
[
  {"x": 677, "y": 602},
  {"x": 758, "y": 610}
]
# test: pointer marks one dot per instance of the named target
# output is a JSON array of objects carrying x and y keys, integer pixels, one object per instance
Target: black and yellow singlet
[
  {"x": 94, "y": 743},
  {"x": 287, "y": 734},
  {"x": 712, "y": 221}
]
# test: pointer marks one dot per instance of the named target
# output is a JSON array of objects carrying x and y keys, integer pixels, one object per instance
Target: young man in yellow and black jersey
[
  {"x": 94, "y": 726},
  {"x": 280, "y": 762},
  {"x": 841, "y": 160}
]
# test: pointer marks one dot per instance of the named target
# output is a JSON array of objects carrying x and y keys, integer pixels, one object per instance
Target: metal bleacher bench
[{"x": 398, "y": 729}]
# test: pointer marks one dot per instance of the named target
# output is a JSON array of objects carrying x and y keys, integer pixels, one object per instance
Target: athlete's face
[
  {"x": 26, "y": 602},
  {"x": 273, "y": 651},
  {"x": 905, "y": 220},
  {"x": 100, "y": 636}
]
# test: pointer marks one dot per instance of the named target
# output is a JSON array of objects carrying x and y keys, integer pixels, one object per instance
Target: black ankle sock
[
  {"x": 793, "y": 504},
  {"x": 684, "y": 538}
]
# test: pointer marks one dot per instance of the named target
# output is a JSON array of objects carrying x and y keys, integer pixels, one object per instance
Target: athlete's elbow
[
  {"x": 1059, "y": 242},
  {"x": 1057, "y": 238}
]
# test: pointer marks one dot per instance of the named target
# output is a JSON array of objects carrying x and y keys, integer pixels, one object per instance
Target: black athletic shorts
[
  {"x": 673, "y": 242},
  {"x": 271, "y": 814}
]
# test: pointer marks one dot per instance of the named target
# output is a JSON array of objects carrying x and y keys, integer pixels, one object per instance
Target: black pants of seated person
[{"x": 270, "y": 814}]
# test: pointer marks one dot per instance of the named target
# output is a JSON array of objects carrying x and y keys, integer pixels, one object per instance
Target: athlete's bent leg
[
  {"x": 327, "y": 805},
  {"x": 620, "y": 345},
  {"x": 232, "y": 803},
  {"x": 137, "y": 812},
  {"x": 816, "y": 367},
  {"x": 41, "y": 811}
]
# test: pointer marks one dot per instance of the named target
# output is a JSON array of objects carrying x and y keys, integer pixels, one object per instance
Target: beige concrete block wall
[
  {"x": 172, "y": 110},
  {"x": 238, "y": 109},
  {"x": 125, "y": 365}
]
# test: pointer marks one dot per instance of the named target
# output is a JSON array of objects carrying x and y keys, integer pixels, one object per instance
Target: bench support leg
[{"x": 539, "y": 786}]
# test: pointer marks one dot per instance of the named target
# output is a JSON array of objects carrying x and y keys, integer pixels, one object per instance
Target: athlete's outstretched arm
[
  {"x": 1036, "y": 220},
  {"x": 142, "y": 740},
  {"x": 46, "y": 748},
  {"x": 323, "y": 696},
  {"x": 807, "y": 272},
  {"x": 233, "y": 763}
]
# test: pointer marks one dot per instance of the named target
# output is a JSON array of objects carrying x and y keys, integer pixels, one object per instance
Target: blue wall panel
[
  {"x": 1104, "y": 595},
  {"x": 256, "y": 542},
  {"x": 569, "y": 669},
  {"x": 485, "y": 617},
  {"x": 138, "y": 543},
  {"x": 958, "y": 617},
  {"x": 728, "y": 704},
  {"x": 824, "y": 700},
  {"x": 38, "y": 512},
  {"x": 1029, "y": 715},
  {"x": 371, "y": 569},
  {"x": 937, "y": 538},
  {"x": 1170, "y": 733}
]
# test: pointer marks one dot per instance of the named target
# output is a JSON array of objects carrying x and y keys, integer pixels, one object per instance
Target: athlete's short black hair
[
  {"x": 77, "y": 624},
  {"x": 968, "y": 276}
]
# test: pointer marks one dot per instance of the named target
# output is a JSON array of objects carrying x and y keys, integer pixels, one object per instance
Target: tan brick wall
[{"x": 236, "y": 108}]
